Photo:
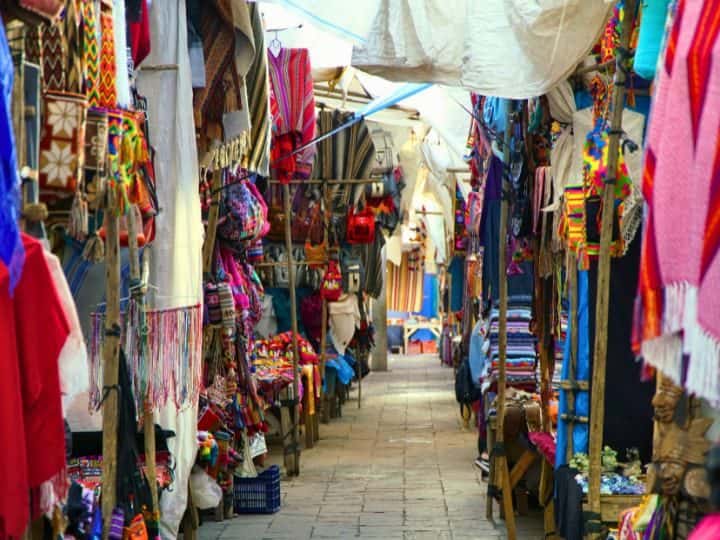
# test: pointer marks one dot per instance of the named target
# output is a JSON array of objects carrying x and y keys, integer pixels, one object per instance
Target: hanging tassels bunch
[{"x": 78, "y": 227}]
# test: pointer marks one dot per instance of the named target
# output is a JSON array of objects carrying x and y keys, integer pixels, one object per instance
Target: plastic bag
[
  {"x": 206, "y": 491},
  {"x": 258, "y": 447}
]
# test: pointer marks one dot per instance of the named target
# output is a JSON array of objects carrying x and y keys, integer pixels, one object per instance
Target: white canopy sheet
[{"x": 507, "y": 48}]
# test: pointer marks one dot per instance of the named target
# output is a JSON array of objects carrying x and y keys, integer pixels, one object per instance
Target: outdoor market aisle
[{"x": 399, "y": 467}]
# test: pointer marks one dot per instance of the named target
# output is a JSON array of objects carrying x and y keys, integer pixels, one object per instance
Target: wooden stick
[
  {"x": 148, "y": 416},
  {"x": 501, "y": 465},
  {"x": 111, "y": 359},
  {"x": 294, "y": 327},
  {"x": 213, "y": 214},
  {"x": 328, "y": 182},
  {"x": 323, "y": 331},
  {"x": 597, "y": 396}
]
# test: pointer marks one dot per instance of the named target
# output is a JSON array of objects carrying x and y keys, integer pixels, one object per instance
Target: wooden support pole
[
  {"x": 148, "y": 416},
  {"x": 499, "y": 453},
  {"x": 597, "y": 396},
  {"x": 295, "y": 450},
  {"x": 213, "y": 214},
  {"x": 324, "y": 401},
  {"x": 111, "y": 359}
]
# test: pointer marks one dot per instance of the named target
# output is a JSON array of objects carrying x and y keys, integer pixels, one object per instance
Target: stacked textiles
[
  {"x": 521, "y": 346},
  {"x": 559, "y": 348}
]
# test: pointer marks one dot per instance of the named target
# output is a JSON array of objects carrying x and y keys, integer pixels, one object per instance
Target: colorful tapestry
[{"x": 404, "y": 286}]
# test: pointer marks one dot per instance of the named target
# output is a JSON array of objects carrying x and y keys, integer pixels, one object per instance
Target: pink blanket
[{"x": 680, "y": 272}]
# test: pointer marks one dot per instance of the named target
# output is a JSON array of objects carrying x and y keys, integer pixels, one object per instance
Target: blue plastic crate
[{"x": 259, "y": 495}]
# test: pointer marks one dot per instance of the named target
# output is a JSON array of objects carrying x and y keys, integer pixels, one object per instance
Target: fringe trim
[
  {"x": 703, "y": 377},
  {"x": 665, "y": 354},
  {"x": 679, "y": 307},
  {"x": 164, "y": 356}
]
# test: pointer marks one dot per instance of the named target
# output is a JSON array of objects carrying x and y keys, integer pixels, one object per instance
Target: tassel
[
  {"x": 94, "y": 250},
  {"x": 78, "y": 227}
]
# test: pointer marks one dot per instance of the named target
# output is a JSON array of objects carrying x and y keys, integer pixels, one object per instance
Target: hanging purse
[
  {"x": 315, "y": 251},
  {"x": 360, "y": 226},
  {"x": 62, "y": 143},
  {"x": 353, "y": 272},
  {"x": 331, "y": 287}
]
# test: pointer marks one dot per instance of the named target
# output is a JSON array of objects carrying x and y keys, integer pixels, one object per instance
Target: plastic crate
[{"x": 259, "y": 495}]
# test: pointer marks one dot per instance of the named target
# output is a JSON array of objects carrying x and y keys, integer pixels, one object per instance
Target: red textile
[
  {"x": 293, "y": 109},
  {"x": 139, "y": 37},
  {"x": 33, "y": 330}
]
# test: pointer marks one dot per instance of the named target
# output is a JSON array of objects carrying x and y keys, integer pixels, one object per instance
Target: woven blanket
[{"x": 680, "y": 272}]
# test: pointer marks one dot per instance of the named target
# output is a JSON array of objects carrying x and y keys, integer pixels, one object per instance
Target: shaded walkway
[{"x": 399, "y": 467}]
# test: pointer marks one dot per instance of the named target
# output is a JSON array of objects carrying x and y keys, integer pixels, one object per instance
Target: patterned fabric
[
  {"x": 258, "y": 86},
  {"x": 292, "y": 90},
  {"x": 62, "y": 145},
  {"x": 404, "y": 286},
  {"x": 222, "y": 85},
  {"x": 96, "y": 133},
  {"x": 107, "y": 93},
  {"x": 73, "y": 41},
  {"x": 677, "y": 310},
  {"x": 91, "y": 54},
  {"x": 54, "y": 52}
]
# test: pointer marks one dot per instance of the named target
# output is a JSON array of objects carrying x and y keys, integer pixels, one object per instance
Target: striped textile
[
  {"x": 221, "y": 92},
  {"x": 91, "y": 53},
  {"x": 404, "y": 287},
  {"x": 346, "y": 155},
  {"x": 107, "y": 93},
  {"x": 292, "y": 88},
  {"x": 257, "y": 83}
]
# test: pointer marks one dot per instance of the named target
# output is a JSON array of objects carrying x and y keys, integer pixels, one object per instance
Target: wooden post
[
  {"x": 295, "y": 450},
  {"x": 501, "y": 466},
  {"x": 111, "y": 354},
  {"x": 597, "y": 396},
  {"x": 213, "y": 214},
  {"x": 148, "y": 416},
  {"x": 324, "y": 404}
]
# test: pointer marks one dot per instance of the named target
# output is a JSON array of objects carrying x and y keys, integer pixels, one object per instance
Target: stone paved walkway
[{"x": 399, "y": 467}]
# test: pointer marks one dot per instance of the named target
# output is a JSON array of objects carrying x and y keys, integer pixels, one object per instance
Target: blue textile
[
  {"x": 652, "y": 28},
  {"x": 395, "y": 335},
  {"x": 457, "y": 271},
  {"x": 582, "y": 373},
  {"x": 495, "y": 113},
  {"x": 476, "y": 357},
  {"x": 12, "y": 252},
  {"x": 343, "y": 370},
  {"x": 429, "y": 306}
]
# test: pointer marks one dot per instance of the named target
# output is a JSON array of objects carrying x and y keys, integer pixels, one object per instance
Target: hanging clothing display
[
  {"x": 31, "y": 417},
  {"x": 294, "y": 124},
  {"x": 680, "y": 270},
  {"x": 175, "y": 258}
]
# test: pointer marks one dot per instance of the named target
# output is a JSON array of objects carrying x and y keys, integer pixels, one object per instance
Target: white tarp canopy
[{"x": 506, "y": 48}]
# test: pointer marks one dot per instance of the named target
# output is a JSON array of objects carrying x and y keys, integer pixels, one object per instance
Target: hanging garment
[
  {"x": 404, "y": 286},
  {"x": 581, "y": 370},
  {"x": 344, "y": 319},
  {"x": 73, "y": 359},
  {"x": 294, "y": 123},
  {"x": 175, "y": 259},
  {"x": 258, "y": 89},
  {"x": 652, "y": 27},
  {"x": 11, "y": 247},
  {"x": 30, "y": 406},
  {"x": 680, "y": 271}
]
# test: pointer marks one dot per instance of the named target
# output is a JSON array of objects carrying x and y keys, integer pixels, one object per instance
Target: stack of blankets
[
  {"x": 521, "y": 346},
  {"x": 559, "y": 350}
]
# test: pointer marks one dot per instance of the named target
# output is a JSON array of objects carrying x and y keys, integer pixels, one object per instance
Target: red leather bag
[
  {"x": 332, "y": 287},
  {"x": 360, "y": 226}
]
